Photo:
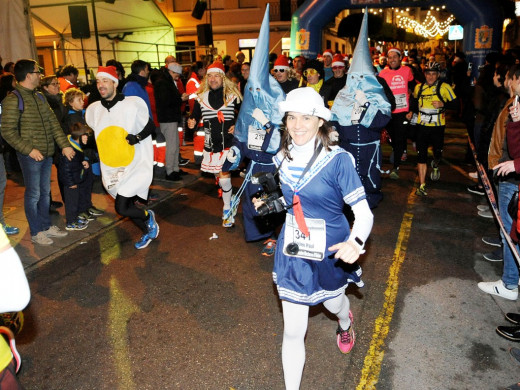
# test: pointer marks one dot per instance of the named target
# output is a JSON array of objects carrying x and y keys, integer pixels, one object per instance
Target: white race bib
[
  {"x": 400, "y": 100},
  {"x": 311, "y": 247},
  {"x": 255, "y": 138},
  {"x": 115, "y": 177},
  {"x": 356, "y": 113}
]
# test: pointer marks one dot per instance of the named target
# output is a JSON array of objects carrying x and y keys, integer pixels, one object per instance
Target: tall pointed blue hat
[
  {"x": 361, "y": 60},
  {"x": 262, "y": 90},
  {"x": 361, "y": 76}
]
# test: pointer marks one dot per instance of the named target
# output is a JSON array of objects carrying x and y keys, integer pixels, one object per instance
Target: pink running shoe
[{"x": 346, "y": 338}]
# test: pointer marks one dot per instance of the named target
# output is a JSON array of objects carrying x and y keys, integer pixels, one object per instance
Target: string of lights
[{"x": 430, "y": 28}]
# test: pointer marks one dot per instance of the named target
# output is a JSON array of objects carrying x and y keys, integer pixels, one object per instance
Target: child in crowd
[
  {"x": 76, "y": 177},
  {"x": 74, "y": 101}
]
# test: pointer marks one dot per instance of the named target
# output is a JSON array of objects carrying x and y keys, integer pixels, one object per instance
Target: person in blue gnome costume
[
  {"x": 359, "y": 113},
  {"x": 257, "y": 137}
]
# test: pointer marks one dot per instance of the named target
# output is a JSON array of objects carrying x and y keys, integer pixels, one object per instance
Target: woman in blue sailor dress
[{"x": 316, "y": 251}]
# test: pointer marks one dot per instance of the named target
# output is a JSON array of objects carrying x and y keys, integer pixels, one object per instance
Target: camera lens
[{"x": 293, "y": 248}]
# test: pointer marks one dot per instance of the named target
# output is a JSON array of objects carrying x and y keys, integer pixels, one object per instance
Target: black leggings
[
  {"x": 429, "y": 135},
  {"x": 398, "y": 132},
  {"x": 126, "y": 208}
]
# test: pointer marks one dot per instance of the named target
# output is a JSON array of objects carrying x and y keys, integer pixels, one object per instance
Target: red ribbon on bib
[
  {"x": 220, "y": 116},
  {"x": 298, "y": 215}
]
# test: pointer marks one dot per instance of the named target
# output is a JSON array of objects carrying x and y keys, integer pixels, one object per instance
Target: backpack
[
  {"x": 20, "y": 110},
  {"x": 437, "y": 91}
]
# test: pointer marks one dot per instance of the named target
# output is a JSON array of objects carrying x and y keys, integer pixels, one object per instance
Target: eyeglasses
[
  {"x": 55, "y": 84},
  {"x": 338, "y": 67},
  {"x": 278, "y": 70},
  {"x": 310, "y": 72}
]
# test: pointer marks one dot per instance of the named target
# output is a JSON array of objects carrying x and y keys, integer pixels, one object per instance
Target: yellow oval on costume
[{"x": 113, "y": 148}]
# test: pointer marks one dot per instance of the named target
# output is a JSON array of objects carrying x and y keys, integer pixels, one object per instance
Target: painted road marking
[{"x": 374, "y": 357}]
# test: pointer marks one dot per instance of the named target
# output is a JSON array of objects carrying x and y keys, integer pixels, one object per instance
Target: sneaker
[
  {"x": 86, "y": 216},
  {"x": 143, "y": 242},
  {"x": 394, "y": 175},
  {"x": 55, "y": 204},
  {"x": 497, "y": 288},
  {"x": 435, "y": 174},
  {"x": 346, "y": 338},
  {"x": 183, "y": 161},
  {"x": 482, "y": 207},
  {"x": 509, "y": 332},
  {"x": 493, "y": 241},
  {"x": 515, "y": 354},
  {"x": 10, "y": 230},
  {"x": 55, "y": 231},
  {"x": 228, "y": 218},
  {"x": 269, "y": 248},
  {"x": 486, "y": 214},
  {"x": 152, "y": 225},
  {"x": 41, "y": 239},
  {"x": 183, "y": 173},
  {"x": 496, "y": 255},
  {"x": 174, "y": 176},
  {"x": 76, "y": 226},
  {"x": 421, "y": 190},
  {"x": 514, "y": 318},
  {"x": 96, "y": 212},
  {"x": 82, "y": 222},
  {"x": 473, "y": 175},
  {"x": 476, "y": 189}
]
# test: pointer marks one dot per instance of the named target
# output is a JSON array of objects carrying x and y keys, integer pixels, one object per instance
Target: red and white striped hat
[
  {"x": 108, "y": 72},
  {"x": 216, "y": 67}
]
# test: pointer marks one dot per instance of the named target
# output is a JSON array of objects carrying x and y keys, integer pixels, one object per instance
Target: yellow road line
[
  {"x": 374, "y": 357},
  {"x": 120, "y": 311}
]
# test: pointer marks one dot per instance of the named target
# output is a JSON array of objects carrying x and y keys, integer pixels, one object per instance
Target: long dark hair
[{"x": 321, "y": 137}]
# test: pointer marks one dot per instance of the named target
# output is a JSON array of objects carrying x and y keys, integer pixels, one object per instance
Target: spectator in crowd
[
  {"x": 500, "y": 161},
  {"x": 9, "y": 67},
  {"x": 284, "y": 74},
  {"x": 7, "y": 83},
  {"x": 136, "y": 82},
  {"x": 122, "y": 126},
  {"x": 168, "y": 103},
  {"x": 76, "y": 178},
  {"x": 68, "y": 77},
  {"x": 298, "y": 65},
  {"x": 33, "y": 134},
  {"x": 74, "y": 101},
  {"x": 241, "y": 57},
  {"x": 159, "y": 144}
]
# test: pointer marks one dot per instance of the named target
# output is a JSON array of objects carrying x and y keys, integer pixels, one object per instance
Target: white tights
[
  {"x": 225, "y": 184},
  {"x": 295, "y": 318}
]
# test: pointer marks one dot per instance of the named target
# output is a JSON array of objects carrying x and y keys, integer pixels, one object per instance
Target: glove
[
  {"x": 260, "y": 116},
  {"x": 132, "y": 139},
  {"x": 360, "y": 97},
  {"x": 334, "y": 136},
  {"x": 233, "y": 154}
]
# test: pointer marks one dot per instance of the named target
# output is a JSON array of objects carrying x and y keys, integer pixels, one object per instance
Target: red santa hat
[
  {"x": 282, "y": 62},
  {"x": 108, "y": 72},
  {"x": 405, "y": 60},
  {"x": 338, "y": 60},
  {"x": 398, "y": 51},
  {"x": 216, "y": 67},
  {"x": 328, "y": 52}
]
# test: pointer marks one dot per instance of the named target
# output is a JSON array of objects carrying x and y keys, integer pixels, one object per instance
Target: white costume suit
[{"x": 125, "y": 170}]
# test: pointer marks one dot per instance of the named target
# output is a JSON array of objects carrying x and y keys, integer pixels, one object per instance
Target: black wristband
[{"x": 359, "y": 241}]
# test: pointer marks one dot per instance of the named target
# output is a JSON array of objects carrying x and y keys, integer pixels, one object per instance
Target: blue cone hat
[
  {"x": 262, "y": 90},
  {"x": 361, "y": 60}
]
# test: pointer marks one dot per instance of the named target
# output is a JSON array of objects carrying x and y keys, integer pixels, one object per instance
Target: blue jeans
[
  {"x": 37, "y": 180},
  {"x": 3, "y": 181},
  {"x": 510, "y": 270}
]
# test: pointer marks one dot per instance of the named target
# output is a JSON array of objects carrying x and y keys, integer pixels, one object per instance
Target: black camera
[{"x": 271, "y": 195}]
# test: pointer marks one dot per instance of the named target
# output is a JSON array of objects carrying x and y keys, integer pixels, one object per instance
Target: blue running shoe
[
  {"x": 152, "y": 225},
  {"x": 10, "y": 230},
  {"x": 143, "y": 242}
]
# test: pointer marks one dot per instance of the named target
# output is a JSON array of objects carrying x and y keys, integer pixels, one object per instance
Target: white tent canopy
[{"x": 128, "y": 30}]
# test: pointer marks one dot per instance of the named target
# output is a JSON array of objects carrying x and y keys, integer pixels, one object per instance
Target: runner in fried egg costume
[
  {"x": 316, "y": 252},
  {"x": 122, "y": 127}
]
